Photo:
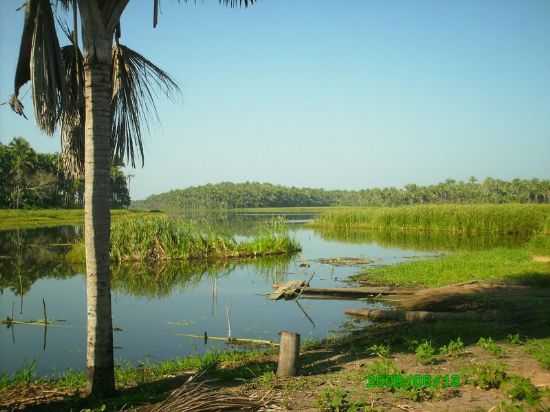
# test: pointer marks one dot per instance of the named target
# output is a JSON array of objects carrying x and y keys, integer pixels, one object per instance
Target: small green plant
[
  {"x": 382, "y": 351},
  {"x": 490, "y": 346},
  {"x": 523, "y": 390},
  {"x": 337, "y": 400},
  {"x": 515, "y": 339},
  {"x": 487, "y": 375},
  {"x": 508, "y": 407},
  {"x": 23, "y": 376},
  {"x": 267, "y": 379},
  {"x": 425, "y": 353},
  {"x": 453, "y": 349},
  {"x": 540, "y": 350},
  {"x": 382, "y": 366},
  {"x": 418, "y": 394}
]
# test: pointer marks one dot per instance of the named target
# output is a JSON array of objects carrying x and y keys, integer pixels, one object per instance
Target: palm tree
[{"x": 99, "y": 97}]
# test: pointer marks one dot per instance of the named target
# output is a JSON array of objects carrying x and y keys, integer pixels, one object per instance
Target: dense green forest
[
  {"x": 250, "y": 194},
  {"x": 35, "y": 180}
]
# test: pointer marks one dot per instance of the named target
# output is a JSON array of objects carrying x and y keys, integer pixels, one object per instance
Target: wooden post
[{"x": 289, "y": 353}]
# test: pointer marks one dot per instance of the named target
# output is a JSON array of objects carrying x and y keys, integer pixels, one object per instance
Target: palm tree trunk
[{"x": 97, "y": 219}]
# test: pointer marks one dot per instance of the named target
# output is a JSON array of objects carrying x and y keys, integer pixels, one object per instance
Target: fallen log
[
  {"x": 293, "y": 289},
  {"x": 419, "y": 315},
  {"x": 357, "y": 292},
  {"x": 232, "y": 341},
  {"x": 288, "y": 290}
]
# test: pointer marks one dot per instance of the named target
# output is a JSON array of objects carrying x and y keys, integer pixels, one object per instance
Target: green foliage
[
  {"x": 425, "y": 353},
  {"x": 35, "y": 180},
  {"x": 540, "y": 350},
  {"x": 487, "y": 375},
  {"x": 494, "y": 264},
  {"x": 382, "y": 367},
  {"x": 515, "y": 339},
  {"x": 380, "y": 350},
  {"x": 418, "y": 394},
  {"x": 490, "y": 346},
  {"x": 23, "y": 376},
  {"x": 261, "y": 195},
  {"x": 505, "y": 406},
  {"x": 160, "y": 238},
  {"x": 521, "y": 389},
  {"x": 337, "y": 400},
  {"x": 463, "y": 219},
  {"x": 453, "y": 349}
]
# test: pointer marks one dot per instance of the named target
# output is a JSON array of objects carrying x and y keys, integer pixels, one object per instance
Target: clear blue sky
[{"x": 334, "y": 94}]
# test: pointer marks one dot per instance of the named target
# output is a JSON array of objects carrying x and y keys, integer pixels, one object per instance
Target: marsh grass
[
  {"x": 161, "y": 238},
  {"x": 486, "y": 265},
  {"x": 228, "y": 366},
  {"x": 466, "y": 219},
  {"x": 12, "y": 219}
]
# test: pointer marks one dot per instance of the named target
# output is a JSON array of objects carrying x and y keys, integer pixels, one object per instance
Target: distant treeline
[
  {"x": 246, "y": 195},
  {"x": 35, "y": 180}
]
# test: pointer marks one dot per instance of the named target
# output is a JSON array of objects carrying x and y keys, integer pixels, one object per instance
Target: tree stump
[{"x": 289, "y": 354}]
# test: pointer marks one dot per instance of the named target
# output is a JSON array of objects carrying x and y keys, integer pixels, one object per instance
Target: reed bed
[
  {"x": 466, "y": 219},
  {"x": 160, "y": 238}
]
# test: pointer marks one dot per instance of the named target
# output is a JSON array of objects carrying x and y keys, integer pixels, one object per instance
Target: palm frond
[
  {"x": 46, "y": 69},
  {"x": 229, "y": 3},
  {"x": 22, "y": 71},
  {"x": 136, "y": 83},
  {"x": 72, "y": 117}
]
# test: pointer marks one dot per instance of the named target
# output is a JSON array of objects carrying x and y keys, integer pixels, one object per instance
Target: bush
[{"x": 425, "y": 353}]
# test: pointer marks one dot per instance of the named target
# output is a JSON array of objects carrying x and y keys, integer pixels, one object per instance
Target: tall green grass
[
  {"x": 161, "y": 238},
  {"x": 467, "y": 219}
]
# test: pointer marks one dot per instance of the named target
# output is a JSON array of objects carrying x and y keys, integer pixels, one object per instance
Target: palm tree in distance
[{"x": 99, "y": 94}]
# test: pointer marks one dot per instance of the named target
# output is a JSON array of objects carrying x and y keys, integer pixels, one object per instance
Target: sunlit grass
[
  {"x": 226, "y": 365},
  {"x": 468, "y": 219},
  {"x": 161, "y": 238},
  {"x": 12, "y": 219},
  {"x": 486, "y": 265}
]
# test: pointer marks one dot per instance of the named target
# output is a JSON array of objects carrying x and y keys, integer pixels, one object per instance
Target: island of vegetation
[
  {"x": 265, "y": 195},
  {"x": 161, "y": 238}
]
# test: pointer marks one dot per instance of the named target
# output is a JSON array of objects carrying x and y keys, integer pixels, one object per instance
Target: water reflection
[
  {"x": 153, "y": 303},
  {"x": 423, "y": 241}
]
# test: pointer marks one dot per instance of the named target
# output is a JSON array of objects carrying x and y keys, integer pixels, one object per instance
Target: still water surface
[{"x": 151, "y": 309}]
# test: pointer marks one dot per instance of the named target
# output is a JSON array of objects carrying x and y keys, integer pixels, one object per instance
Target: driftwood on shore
[
  {"x": 293, "y": 289},
  {"x": 419, "y": 315},
  {"x": 231, "y": 341}
]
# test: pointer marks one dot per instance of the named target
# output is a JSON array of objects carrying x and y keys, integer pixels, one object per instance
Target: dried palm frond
[
  {"x": 136, "y": 82},
  {"x": 229, "y": 3},
  {"x": 72, "y": 117},
  {"x": 46, "y": 69},
  {"x": 196, "y": 397},
  {"x": 22, "y": 72}
]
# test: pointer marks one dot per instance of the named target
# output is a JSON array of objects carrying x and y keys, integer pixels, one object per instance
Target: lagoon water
[{"x": 151, "y": 308}]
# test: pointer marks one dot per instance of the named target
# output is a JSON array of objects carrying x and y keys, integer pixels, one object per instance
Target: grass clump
[
  {"x": 161, "y": 238},
  {"x": 490, "y": 346},
  {"x": 337, "y": 400},
  {"x": 425, "y": 353},
  {"x": 521, "y": 389},
  {"x": 380, "y": 350},
  {"x": 487, "y": 375},
  {"x": 382, "y": 366},
  {"x": 540, "y": 350},
  {"x": 453, "y": 349},
  {"x": 515, "y": 339}
]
